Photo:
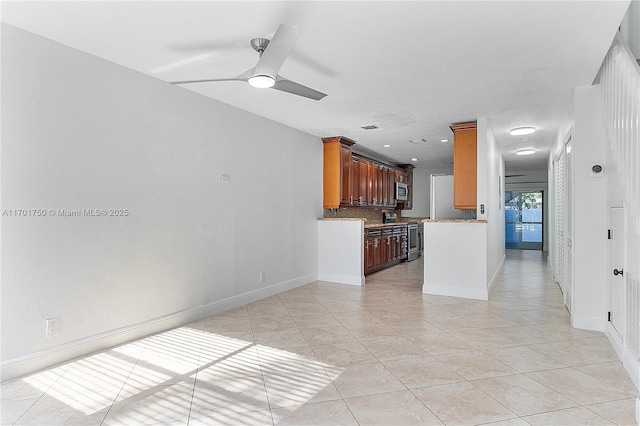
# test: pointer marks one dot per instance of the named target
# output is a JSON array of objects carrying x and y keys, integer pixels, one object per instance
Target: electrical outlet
[{"x": 52, "y": 327}]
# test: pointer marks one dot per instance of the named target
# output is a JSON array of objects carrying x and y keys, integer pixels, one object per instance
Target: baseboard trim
[
  {"x": 493, "y": 280},
  {"x": 632, "y": 365},
  {"x": 36, "y": 361},
  {"x": 588, "y": 323},
  {"x": 614, "y": 339},
  {"x": 342, "y": 279},
  {"x": 446, "y": 290}
]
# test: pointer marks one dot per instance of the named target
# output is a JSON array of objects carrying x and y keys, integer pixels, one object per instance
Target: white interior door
[
  {"x": 558, "y": 229},
  {"x": 568, "y": 232},
  {"x": 616, "y": 280}
]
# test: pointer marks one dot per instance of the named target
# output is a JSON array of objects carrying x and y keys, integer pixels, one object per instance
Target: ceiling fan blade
[
  {"x": 242, "y": 77},
  {"x": 276, "y": 52},
  {"x": 294, "y": 88}
]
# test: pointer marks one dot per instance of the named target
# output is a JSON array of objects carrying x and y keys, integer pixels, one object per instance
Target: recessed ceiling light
[
  {"x": 370, "y": 127},
  {"x": 414, "y": 159},
  {"x": 525, "y": 151},
  {"x": 386, "y": 146},
  {"x": 444, "y": 140},
  {"x": 422, "y": 140},
  {"x": 519, "y": 131}
]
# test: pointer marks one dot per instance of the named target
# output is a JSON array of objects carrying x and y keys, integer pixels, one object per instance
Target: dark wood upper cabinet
[{"x": 351, "y": 179}]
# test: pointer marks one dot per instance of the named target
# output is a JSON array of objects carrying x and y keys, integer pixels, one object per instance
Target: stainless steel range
[{"x": 412, "y": 237}]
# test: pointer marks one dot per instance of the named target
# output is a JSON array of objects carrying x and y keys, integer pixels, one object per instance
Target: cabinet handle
[{"x": 351, "y": 199}]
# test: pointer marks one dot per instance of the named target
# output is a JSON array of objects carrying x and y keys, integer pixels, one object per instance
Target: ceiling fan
[{"x": 272, "y": 53}]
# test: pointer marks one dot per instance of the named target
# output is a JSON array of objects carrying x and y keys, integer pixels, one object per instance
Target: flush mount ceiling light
[
  {"x": 414, "y": 159},
  {"x": 444, "y": 140},
  {"x": 261, "y": 81},
  {"x": 519, "y": 131},
  {"x": 386, "y": 146},
  {"x": 369, "y": 127},
  {"x": 525, "y": 151}
]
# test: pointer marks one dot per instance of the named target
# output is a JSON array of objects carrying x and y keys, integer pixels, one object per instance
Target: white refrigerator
[{"x": 441, "y": 202}]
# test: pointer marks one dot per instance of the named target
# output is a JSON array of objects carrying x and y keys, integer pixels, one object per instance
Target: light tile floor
[{"x": 383, "y": 354}]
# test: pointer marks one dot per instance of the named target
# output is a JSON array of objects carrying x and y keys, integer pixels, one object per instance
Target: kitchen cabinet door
[
  {"x": 346, "y": 163},
  {"x": 365, "y": 189},
  {"x": 356, "y": 195},
  {"x": 377, "y": 252},
  {"x": 380, "y": 198},
  {"x": 385, "y": 252},
  {"x": 391, "y": 187},
  {"x": 336, "y": 172},
  {"x": 373, "y": 183},
  {"x": 465, "y": 169},
  {"x": 368, "y": 255},
  {"x": 393, "y": 252}
]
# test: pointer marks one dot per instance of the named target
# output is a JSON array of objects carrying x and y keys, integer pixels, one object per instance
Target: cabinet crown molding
[
  {"x": 463, "y": 126},
  {"x": 341, "y": 139}
]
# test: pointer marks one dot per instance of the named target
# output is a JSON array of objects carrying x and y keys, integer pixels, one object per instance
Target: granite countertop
[
  {"x": 360, "y": 219},
  {"x": 379, "y": 224},
  {"x": 455, "y": 221}
]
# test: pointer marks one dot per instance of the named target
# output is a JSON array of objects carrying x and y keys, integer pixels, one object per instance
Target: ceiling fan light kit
[
  {"x": 261, "y": 81},
  {"x": 265, "y": 75}
]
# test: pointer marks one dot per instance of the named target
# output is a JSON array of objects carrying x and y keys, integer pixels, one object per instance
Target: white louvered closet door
[{"x": 558, "y": 184}]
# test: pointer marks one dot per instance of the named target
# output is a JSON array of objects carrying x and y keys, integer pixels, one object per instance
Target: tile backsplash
[{"x": 372, "y": 215}]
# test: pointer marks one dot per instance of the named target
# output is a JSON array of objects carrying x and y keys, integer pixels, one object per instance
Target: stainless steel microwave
[{"x": 402, "y": 191}]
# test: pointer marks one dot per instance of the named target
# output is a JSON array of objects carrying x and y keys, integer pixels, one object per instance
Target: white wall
[
  {"x": 630, "y": 28},
  {"x": 79, "y": 132},
  {"x": 422, "y": 189},
  {"x": 589, "y": 212},
  {"x": 592, "y": 197},
  {"x": 491, "y": 194}
]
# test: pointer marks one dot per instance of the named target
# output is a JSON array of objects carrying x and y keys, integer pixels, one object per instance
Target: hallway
[{"x": 335, "y": 354}]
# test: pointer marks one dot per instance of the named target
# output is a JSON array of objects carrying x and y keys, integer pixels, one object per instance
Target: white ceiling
[{"x": 411, "y": 68}]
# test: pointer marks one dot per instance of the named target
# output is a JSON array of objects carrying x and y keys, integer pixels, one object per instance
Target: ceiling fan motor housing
[{"x": 259, "y": 44}]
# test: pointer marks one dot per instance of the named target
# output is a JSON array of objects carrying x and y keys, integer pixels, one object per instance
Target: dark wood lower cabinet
[{"x": 384, "y": 246}]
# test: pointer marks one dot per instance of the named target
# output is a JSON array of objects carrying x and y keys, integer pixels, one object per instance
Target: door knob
[{"x": 618, "y": 272}]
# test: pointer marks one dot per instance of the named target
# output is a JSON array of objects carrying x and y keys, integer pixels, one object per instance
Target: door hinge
[
  {"x": 609, "y": 316},
  {"x": 609, "y": 234}
]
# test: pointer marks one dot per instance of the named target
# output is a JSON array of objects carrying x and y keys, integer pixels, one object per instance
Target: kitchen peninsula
[
  {"x": 450, "y": 243},
  {"x": 351, "y": 248}
]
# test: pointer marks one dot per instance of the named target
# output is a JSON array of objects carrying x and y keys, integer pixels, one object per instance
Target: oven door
[{"x": 412, "y": 231}]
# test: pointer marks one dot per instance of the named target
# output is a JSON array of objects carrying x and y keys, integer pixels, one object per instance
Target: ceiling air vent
[{"x": 370, "y": 127}]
